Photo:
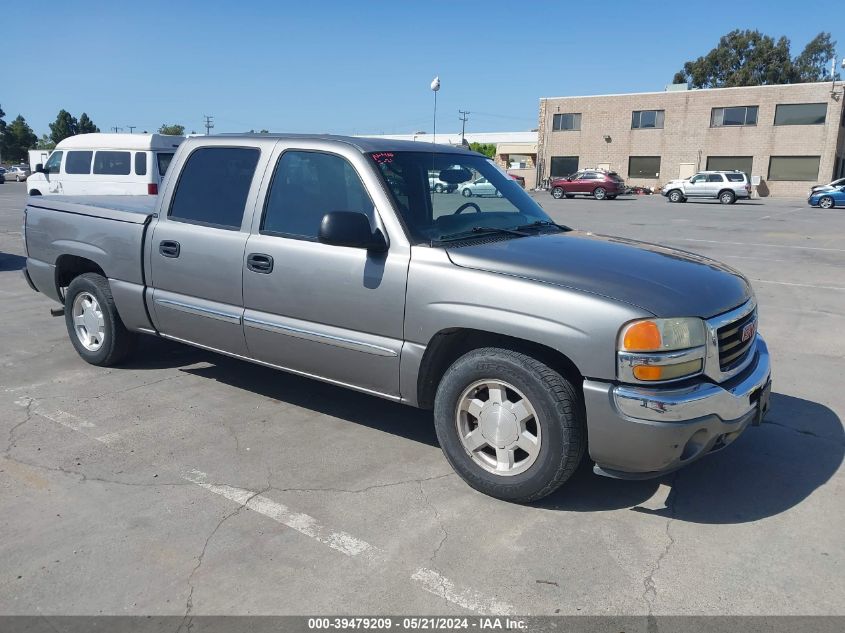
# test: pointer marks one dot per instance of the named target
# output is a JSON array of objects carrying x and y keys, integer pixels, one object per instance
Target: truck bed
[{"x": 135, "y": 209}]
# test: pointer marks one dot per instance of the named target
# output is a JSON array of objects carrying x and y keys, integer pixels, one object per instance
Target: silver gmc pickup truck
[{"x": 330, "y": 257}]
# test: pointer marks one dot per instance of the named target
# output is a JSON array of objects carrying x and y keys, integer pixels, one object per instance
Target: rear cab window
[{"x": 213, "y": 187}]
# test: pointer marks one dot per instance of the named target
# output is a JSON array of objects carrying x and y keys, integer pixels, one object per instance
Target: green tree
[
  {"x": 488, "y": 149},
  {"x": 174, "y": 129},
  {"x": 750, "y": 58},
  {"x": 18, "y": 138},
  {"x": 814, "y": 61},
  {"x": 45, "y": 142},
  {"x": 65, "y": 125},
  {"x": 86, "y": 125}
]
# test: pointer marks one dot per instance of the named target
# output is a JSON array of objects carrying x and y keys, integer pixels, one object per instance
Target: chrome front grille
[{"x": 732, "y": 349}]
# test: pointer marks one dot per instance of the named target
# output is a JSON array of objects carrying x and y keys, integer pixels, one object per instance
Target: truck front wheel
[
  {"x": 511, "y": 426},
  {"x": 92, "y": 321}
]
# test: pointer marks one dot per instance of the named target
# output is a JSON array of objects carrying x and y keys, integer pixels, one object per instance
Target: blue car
[{"x": 828, "y": 199}]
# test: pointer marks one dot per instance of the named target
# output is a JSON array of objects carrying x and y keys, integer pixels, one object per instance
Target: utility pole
[
  {"x": 209, "y": 123},
  {"x": 131, "y": 128},
  {"x": 117, "y": 129},
  {"x": 463, "y": 119}
]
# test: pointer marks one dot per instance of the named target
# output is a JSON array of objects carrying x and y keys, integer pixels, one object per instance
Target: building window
[
  {"x": 571, "y": 121},
  {"x": 794, "y": 167},
  {"x": 739, "y": 115},
  {"x": 563, "y": 166},
  {"x": 642, "y": 119},
  {"x": 644, "y": 167},
  {"x": 800, "y": 114},
  {"x": 730, "y": 163}
]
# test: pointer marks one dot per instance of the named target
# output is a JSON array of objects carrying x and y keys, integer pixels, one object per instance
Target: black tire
[
  {"x": 827, "y": 202},
  {"x": 557, "y": 193},
  {"x": 675, "y": 196},
  {"x": 727, "y": 197},
  {"x": 118, "y": 341},
  {"x": 560, "y": 417},
  {"x": 466, "y": 193},
  {"x": 35, "y": 192},
  {"x": 600, "y": 193}
]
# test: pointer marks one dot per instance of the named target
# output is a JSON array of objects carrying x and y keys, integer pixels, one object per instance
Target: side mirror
[
  {"x": 350, "y": 228},
  {"x": 39, "y": 168}
]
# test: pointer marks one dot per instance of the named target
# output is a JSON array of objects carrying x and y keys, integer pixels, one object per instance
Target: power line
[
  {"x": 209, "y": 123},
  {"x": 463, "y": 119}
]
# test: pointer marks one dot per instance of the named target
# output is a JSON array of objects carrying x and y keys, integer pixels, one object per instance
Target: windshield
[{"x": 445, "y": 196}]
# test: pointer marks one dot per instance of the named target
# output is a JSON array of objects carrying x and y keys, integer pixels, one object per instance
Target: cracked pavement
[{"x": 97, "y": 515}]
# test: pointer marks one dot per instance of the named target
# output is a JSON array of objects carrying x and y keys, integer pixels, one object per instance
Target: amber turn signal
[
  {"x": 648, "y": 372},
  {"x": 642, "y": 337}
]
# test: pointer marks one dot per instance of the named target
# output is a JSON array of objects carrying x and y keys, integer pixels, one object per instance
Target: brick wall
[{"x": 687, "y": 136}]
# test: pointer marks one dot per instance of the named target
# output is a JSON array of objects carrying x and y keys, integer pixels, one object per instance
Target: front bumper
[{"x": 638, "y": 432}]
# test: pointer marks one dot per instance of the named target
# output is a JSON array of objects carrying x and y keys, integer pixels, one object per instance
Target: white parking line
[
  {"x": 428, "y": 579},
  {"x": 808, "y": 248},
  {"x": 790, "y": 283},
  {"x": 441, "y": 586}
]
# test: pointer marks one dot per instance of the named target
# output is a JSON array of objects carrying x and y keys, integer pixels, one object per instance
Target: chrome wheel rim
[
  {"x": 498, "y": 427},
  {"x": 674, "y": 196},
  {"x": 825, "y": 203},
  {"x": 599, "y": 193},
  {"x": 88, "y": 321},
  {"x": 557, "y": 193},
  {"x": 726, "y": 198}
]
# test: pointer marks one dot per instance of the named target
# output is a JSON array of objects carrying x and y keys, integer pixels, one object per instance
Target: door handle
[
  {"x": 259, "y": 263},
  {"x": 169, "y": 248}
]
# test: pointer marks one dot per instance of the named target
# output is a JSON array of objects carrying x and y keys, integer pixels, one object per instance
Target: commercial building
[{"x": 785, "y": 137}]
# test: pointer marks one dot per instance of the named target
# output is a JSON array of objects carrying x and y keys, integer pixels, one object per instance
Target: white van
[{"x": 105, "y": 164}]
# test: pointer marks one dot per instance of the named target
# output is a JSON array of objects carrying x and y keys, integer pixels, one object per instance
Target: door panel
[
  {"x": 197, "y": 294},
  {"x": 328, "y": 311}
]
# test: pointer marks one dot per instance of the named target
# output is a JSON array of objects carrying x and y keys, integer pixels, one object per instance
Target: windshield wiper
[
  {"x": 542, "y": 223},
  {"x": 480, "y": 230}
]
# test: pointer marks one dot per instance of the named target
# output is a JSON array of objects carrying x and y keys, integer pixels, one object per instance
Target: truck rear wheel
[
  {"x": 511, "y": 426},
  {"x": 92, "y": 321}
]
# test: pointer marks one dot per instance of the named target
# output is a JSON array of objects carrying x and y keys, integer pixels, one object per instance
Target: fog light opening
[{"x": 694, "y": 445}]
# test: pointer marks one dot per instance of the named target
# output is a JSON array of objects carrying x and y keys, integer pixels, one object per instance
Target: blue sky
[{"x": 360, "y": 66}]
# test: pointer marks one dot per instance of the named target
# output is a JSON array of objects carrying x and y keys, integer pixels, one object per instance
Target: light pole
[{"x": 435, "y": 87}]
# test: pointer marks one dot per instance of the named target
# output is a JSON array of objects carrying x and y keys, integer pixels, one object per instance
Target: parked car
[
  {"x": 105, "y": 164},
  {"x": 478, "y": 187},
  {"x": 602, "y": 185},
  {"x": 533, "y": 343},
  {"x": 438, "y": 186},
  {"x": 2, "y": 175},
  {"x": 833, "y": 185},
  {"x": 725, "y": 186},
  {"x": 518, "y": 178},
  {"x": 18, "y": 173},
  {"x": 828, "y": 198}
]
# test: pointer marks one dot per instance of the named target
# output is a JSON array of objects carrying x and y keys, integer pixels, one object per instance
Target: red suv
[{"x": 589, "y": 182}]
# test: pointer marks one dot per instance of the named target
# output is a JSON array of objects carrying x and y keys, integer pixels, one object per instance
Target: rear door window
[
  {"x": 214, "y": 185},
  {"x": 78, "y": 162},
  {"x": 715, "y": 178},
  {"x": 163, "y": 159},
  {"x": 112, "y": 163}
]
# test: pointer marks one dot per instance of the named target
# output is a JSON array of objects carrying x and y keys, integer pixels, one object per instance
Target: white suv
[{"x": 725, "y": 186}]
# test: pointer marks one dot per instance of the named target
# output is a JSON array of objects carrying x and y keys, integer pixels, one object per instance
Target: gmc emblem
[{"x": 748, "y": 331}]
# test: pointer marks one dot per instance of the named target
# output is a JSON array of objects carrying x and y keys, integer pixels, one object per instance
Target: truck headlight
[{"x": 652, "y": 350}]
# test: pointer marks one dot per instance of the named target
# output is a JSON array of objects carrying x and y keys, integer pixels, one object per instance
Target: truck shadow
[
  {"x": 767, "y": 471},
  {"x": 11, "y": 262}
]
